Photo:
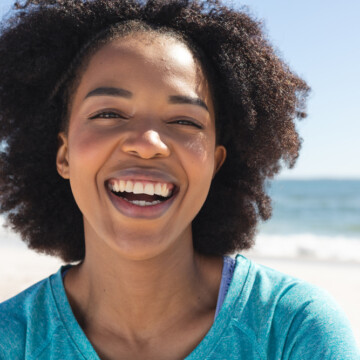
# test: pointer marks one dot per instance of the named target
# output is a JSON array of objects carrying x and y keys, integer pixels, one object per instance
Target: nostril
[
  {"x": 133, "y": 152},
  {"x": 146, "y": 155}
]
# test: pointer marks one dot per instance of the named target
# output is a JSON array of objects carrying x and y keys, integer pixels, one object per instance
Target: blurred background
[{"x": 314, "y": 233}]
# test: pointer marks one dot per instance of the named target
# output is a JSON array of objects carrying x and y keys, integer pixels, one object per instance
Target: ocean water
[
  {"x": 320, "y": 207},
  {"x": 317, "y": 219},
  {"x": 313, "y": 218}
]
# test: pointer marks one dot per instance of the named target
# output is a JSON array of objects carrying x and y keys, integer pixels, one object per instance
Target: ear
[
  {"x": 220, "y": 156},
  {"x": 62, "y": 163}
]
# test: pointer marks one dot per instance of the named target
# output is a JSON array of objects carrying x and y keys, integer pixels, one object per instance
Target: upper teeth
[{"x": 137, "y": 187}]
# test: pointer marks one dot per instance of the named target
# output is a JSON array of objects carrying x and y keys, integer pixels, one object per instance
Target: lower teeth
[{"x": 144, "y": 203}]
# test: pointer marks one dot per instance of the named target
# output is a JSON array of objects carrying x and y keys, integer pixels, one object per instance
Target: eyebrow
[
  {"x": 109, "y": 91},
  {"x": 173, "y": 99},
  {"x": 181, "y": 99}
]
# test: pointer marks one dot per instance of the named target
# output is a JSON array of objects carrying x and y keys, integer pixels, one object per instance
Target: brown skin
[{"x": 141, "y": 286}]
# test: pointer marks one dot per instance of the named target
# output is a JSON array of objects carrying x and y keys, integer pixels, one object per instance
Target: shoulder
[
  {"x": 27, "y": 320},
  {"x": 269, "y": 286},
  {"x": 282, "y": 312}
]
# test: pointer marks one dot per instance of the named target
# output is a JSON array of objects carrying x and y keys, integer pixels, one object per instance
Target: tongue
[{"x": 140, "y": 197}]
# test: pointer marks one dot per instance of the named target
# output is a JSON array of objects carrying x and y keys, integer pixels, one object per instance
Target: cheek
[
  {"x": 87, "y": 148},
  {"x": 201, "y": 151},
  {"x": 199, "y": 158},
  {"x": 88, "y": 151}
]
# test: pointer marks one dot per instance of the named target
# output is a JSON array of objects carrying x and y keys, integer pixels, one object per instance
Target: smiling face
[{"x": 140, "y": 148}]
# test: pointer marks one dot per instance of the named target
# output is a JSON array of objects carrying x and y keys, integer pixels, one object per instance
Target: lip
[
  {"x": 141, "y": 174},
  {"x": 141, "y": 212}
]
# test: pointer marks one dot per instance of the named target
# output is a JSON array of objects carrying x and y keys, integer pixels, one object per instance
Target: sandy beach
[{"x": 20, "y": 268}]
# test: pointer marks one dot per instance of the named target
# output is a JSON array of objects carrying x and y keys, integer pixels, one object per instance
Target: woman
[{"x": 163, "y": 120}]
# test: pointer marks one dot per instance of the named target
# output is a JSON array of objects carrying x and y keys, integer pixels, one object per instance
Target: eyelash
[
  {"x": 187, "y": 123},
  {"x": 114, "y": 115}
]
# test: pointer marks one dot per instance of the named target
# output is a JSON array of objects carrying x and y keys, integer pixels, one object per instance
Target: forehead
[{"x": 156, "y": 59}]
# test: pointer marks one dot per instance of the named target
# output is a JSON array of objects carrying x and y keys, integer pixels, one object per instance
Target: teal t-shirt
[{"x": 265, "y": 315}]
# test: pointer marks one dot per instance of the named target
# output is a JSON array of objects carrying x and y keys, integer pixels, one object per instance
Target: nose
[{"x": 147, "y": 144}]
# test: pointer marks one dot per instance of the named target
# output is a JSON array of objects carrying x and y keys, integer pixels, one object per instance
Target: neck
[{"x": 142, "y": 296}]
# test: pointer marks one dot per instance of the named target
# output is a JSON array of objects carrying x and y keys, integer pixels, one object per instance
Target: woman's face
[{"x": 140, "y": 149}]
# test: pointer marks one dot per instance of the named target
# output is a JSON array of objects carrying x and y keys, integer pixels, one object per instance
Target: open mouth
[{"x": 142, "y": 193}]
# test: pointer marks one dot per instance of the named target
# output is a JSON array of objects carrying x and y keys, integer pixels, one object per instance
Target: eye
[
  {"x": 107, "y": 115},
  {"x": 187, "y": 123}
]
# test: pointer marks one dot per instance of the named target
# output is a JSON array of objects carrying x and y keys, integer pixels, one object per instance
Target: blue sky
[{"x": 320, "y": 40}]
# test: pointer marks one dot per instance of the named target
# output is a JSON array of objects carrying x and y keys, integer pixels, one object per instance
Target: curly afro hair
[{"x": 256, "y": 97}]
